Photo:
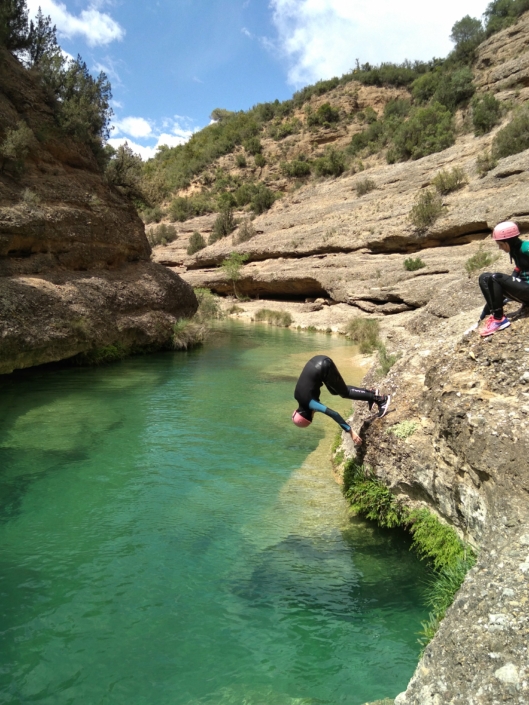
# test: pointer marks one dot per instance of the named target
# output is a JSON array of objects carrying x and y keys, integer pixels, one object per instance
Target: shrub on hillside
[
  {"x": 427, "y": 130},
  {"x": 386, "y": 360},
  {"x": 262, "y": 199},
  {"x": 245, "y": 232},
  {"x": 455, "y": 88},
  {"x": 485, "y": 162},
  {"x": 232, "y": 267},
  {"x": 364, "y": 186},
  {"x": 412, "y": 264},
  {"x": 14, "y": 25},
  {"x": 468, "y": 30},
  {"x": 161, "y": 235},
  {"x": 17, "y": 145},
  {"x": 182, "y": 208},
  {"x": 368, "y": 115},
  {"x": 486, "y": 113},
  {"x": 224, "y": 225},
  {"x": 324, "y": 116},
  {"x": 399, "y": 107},
  {"x": 502, "y": 13},
  {"x": 84, "y": 104},
  {"x": 244, "y": 194},
  {"x": 514, "y": 137},
  {"x": 152, "y": 215},
  {"x": 240, "y": 160},
  {"x": 285, "y": 129},
  {"x": 319, "y": 88},
  {"x": 296, "y": 168},
  {"x": 253, "y": 146},
  {"x": 450, "y": 180},
  {"x": 196, "y": 243},
  {"x": 260, "y": 161},
  {"x": 371, "y": 139},
  {"x": 331, "y": 164},
  {"x": 428, "y": 207},
  {"x": 424, "y": 87},
  {"x": 226, "y": 200},
  {"x": 388, "y": 74}
]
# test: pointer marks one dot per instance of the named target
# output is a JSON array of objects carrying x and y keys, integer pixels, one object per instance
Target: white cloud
[
  {"x": 95, "y": 26},
  {"x": 109, "y": 67},
  {"x": 171, "y": 134},
  {"x": 323, "y": 38},
  {"x": 144, "y": 152},
  {"x": 133, "y": 126}
]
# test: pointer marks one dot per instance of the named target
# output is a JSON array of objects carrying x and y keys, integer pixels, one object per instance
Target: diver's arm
[{"x": 317, "y": 406}]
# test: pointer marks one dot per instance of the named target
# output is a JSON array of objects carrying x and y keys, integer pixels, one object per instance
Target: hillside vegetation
[{"x": 392, "y": 112}]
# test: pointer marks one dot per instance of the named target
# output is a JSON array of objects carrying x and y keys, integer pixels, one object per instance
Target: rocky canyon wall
[{"x": 75, "y": 269}]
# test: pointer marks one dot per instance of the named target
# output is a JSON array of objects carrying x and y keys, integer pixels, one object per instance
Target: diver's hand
[{"x": 356, "y": 438}]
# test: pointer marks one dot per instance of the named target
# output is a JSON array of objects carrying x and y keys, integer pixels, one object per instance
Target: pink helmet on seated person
[
  {"x": 300, "y": 420},
  {"x": 505, "y": 230}
]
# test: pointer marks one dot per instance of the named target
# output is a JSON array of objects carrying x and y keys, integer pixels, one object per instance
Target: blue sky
[{"x": 171, "y": 62}]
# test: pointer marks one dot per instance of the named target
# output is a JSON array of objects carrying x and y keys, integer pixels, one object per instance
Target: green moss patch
[{"x": 439, "y": 544}]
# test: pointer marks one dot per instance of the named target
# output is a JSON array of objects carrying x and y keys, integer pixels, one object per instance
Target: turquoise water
[{"x": 170, "y": 538}]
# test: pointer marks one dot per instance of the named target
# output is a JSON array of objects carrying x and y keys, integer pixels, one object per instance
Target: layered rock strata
[{"x": 75, "y": 270}]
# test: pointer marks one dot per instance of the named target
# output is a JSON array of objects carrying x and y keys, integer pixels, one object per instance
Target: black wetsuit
[
  {"x": 495, "y": 287},
  {"x": 319, "y": 371}
]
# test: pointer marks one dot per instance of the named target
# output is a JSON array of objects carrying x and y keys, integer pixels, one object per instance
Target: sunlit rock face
[{"x": 75, "y": 270}]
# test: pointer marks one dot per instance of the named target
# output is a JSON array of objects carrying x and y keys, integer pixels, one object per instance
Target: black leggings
[
  {"x": 333, "y": 380},
  {"x": 496, "y": 286}
]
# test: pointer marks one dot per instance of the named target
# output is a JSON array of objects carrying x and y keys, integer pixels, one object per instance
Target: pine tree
[
  {"x": 14, "y": 33},
  {"x": 42, "y": 39}
]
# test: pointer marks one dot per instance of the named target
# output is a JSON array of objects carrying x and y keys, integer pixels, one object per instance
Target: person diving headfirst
[{"x": 321, "y": 370}]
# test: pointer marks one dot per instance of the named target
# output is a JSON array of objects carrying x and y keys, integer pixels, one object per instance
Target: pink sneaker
[{"x": 492, "y": 326}]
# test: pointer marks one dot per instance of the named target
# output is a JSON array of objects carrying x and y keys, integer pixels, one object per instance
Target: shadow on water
[
  {"x": 14, "y": 485},
  {"x": 370, "y": 567}
]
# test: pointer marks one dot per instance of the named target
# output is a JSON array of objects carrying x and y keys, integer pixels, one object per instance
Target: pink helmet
[
  {"x": 300, "y": 420},
  {"x": 506, "y": 230}
]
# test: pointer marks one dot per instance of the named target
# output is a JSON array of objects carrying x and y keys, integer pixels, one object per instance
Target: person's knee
[
  {"x": 484, "y": 278},
  {"x": 500, "y": 277}
]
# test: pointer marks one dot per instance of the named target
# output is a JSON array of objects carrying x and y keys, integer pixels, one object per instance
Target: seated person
[{"x": 497, "y": 287}]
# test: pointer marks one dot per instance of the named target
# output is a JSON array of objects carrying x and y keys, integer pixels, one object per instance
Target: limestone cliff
[{"x": 75, "y": 270}]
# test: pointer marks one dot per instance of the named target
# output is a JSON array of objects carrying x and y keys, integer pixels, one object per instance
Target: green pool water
[{"x": 169, "y": 537}]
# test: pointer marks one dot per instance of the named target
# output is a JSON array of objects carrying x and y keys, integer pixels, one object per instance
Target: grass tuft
[
  {"x": 427, "y": 209},
  {"x": 283, "y": 319},
  {"x": 450, "y": 180},
  {"x": 478, "y": 261},
  {"x": 385, "y": 359},
  {"x": 365, "y": 333},
  {"x": 187, "y": 334},
  {"x": 412, "y": 264},
  {"x": 404, "y": 429},
  {"x": 365, "y": 186}
]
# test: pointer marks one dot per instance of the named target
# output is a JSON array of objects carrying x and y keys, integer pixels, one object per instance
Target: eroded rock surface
[
  {"x": 75, "y": 270},
  {"x": 466, "y": 460}
]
